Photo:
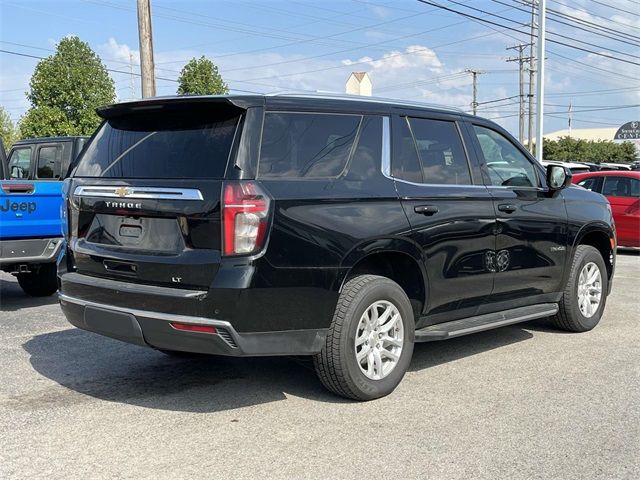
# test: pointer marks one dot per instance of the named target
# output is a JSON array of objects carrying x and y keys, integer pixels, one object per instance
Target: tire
[
  {"x": 336, "y": 364},
  {"x": 570, "y": 316},
  {"x": 41, "y": 282}
]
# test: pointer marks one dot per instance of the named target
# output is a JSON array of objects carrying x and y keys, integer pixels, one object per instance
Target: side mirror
[{"x": 558, "y": 177}]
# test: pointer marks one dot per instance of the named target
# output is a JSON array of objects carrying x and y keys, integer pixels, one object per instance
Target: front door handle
[
  {"x": 507, "y": 208},
  {"x": 426, "y": 209}
]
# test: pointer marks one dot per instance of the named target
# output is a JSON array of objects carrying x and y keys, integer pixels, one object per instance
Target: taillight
[{"x": 245, "y": 218}]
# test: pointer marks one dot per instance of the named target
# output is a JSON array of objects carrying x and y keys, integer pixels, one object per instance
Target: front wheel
[
  {"x": 41, "y": 282},
  {"x": 370, "y": 342},
  {"x": 585, "y": 294}
]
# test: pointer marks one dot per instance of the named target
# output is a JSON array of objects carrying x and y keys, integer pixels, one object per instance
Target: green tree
[
  {"x": 200, "y": 77},
  {"x": 576, "y": 150},
  {"x": 8, "y": 130},
  {"x": 65, "y": 90}
]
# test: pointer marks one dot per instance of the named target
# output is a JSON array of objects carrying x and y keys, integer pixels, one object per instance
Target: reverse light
[{"x": 245, "y": 217}]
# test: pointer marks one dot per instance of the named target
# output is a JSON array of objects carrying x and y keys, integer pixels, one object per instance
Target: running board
[{"x": 480, "y": 323}]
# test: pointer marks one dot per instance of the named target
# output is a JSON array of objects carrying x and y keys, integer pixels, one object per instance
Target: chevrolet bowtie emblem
[{"x": 123, "y": 191}]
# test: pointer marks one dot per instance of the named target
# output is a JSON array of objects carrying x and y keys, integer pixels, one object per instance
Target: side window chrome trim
[
  {"x": 386, "y": 147},
  {"x": 125, "y": 192}
]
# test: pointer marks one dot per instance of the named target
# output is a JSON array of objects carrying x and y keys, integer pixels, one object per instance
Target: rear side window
[
  {"x": 306, "y": 145},
  {"x": 367, "y": 157},
  {"x": 49, "y": 162},
  {"x": 442, "y": 155},
  {"x": 621, "y": 187},
  {"x": 193, "y": 143},
  {"x": 405, "y": 164},
  {"x": 20, "y": 163}
]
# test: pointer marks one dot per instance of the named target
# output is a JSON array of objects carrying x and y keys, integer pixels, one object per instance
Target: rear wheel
[
  {"x": 41, "y": 282},
  {"x": 370, "y": 342},
  {"x": 585, "y": 294}
]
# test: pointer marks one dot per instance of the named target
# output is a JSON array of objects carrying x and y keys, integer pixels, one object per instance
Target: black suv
[{"x": 342, "y": 228}]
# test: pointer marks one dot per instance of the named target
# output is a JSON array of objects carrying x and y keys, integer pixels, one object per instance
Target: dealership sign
[{"x": 628, "y": 131}]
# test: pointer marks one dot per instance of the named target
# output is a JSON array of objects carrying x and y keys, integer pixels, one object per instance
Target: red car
[{"x": 622, "y": 189}]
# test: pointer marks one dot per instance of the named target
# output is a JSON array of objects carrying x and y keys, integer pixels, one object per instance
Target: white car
[{"x": 574, "y": 167}]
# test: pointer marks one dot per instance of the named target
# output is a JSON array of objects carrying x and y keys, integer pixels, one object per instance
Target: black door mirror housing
[{"x": 558, "y": 177}]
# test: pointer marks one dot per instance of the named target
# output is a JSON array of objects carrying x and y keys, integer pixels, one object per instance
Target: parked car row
[
  {"x": 622, "y": 189},
  {"x": 583, "y": 167}
]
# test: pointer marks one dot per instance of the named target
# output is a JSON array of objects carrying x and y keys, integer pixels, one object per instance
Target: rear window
[
  {"x": 306, "y": 145},
  {"x": 161, "y": 144}
]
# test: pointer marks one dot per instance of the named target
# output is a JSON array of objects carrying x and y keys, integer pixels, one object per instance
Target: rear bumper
[
  {"x": 154, "y": 329},
  {"x": 32, "y": 250}
]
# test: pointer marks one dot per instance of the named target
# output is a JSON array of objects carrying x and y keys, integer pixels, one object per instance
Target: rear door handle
[
  {"x": 507, "y": 208},
  {"x": 426, "y": 209}
]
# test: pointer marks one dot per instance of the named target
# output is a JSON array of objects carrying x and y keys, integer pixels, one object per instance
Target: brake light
[{"x": 245, "y": 217}]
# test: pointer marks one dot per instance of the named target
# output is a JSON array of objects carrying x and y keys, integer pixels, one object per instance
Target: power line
[
  {"x": 9, "y": 52},
  {"x": 625, "y": 25},
  {"x": 615, "y": 8},
  {"x": 611, "y": 91},
  {"x": 458, "y": 12},
  {"x": 583, "y": 25}
]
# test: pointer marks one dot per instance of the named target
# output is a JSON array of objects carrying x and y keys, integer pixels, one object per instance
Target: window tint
[
  {"x": 507, "y": 166},
  {"x": 367, "y": 157},
  {"x": 49, "y": 162},
  {"x": 301, "y": 145},
  {"x": 20, "y": 163},
  {"x": 621, "y": 187},
  {"x": 405, "y": 164},
  {"x": 165, "y": 144},
  {"x": 588, "y": 183},
  {"x": 441, "y": 152}
]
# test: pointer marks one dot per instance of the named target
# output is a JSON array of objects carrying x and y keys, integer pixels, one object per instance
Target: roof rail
[{"x": 357, "y": 98}]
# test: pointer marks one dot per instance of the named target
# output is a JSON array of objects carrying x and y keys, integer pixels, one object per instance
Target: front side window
[
  {"x": 506, "y": 165},
  {"x": 441, "y": 153},
  {"x": 49, "y": 162},
  {"x": 621, "y": 187},
  {"x": 20, "y": 163},
  {"x": 588, "y": 183},
  {"x": 306, "y": 145}
]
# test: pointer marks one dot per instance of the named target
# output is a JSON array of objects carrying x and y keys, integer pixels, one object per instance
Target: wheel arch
[
  {"x": 601, "y": 237},
  {"x": 399, "y": 260}
]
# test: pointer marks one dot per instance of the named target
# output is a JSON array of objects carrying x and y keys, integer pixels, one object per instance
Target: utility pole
[
  {"x": 532, "y": 73},
  {"x": 542, "y": 10},
  {"x": 133, "y": 81},
  {"x": 521, "y": 59},
  {"x": 474, "y": 103},
  {"x": 146, "y": 49}
]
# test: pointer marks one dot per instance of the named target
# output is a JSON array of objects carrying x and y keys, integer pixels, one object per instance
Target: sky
[{"x": 410, "y": 49}]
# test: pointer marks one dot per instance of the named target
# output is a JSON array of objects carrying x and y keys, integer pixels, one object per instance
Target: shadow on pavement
[
  {"x": 12, "y": 297},
  {"x": 109, "y": 370}
]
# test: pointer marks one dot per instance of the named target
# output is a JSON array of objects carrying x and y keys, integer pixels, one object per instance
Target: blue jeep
[{"x": 30, "y": 200}]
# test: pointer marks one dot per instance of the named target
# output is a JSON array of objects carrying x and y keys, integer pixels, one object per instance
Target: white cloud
[{"x": 114, "y": 51}]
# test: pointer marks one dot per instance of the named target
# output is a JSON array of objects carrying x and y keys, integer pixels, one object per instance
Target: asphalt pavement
[{"x": 525, "y": 401}]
